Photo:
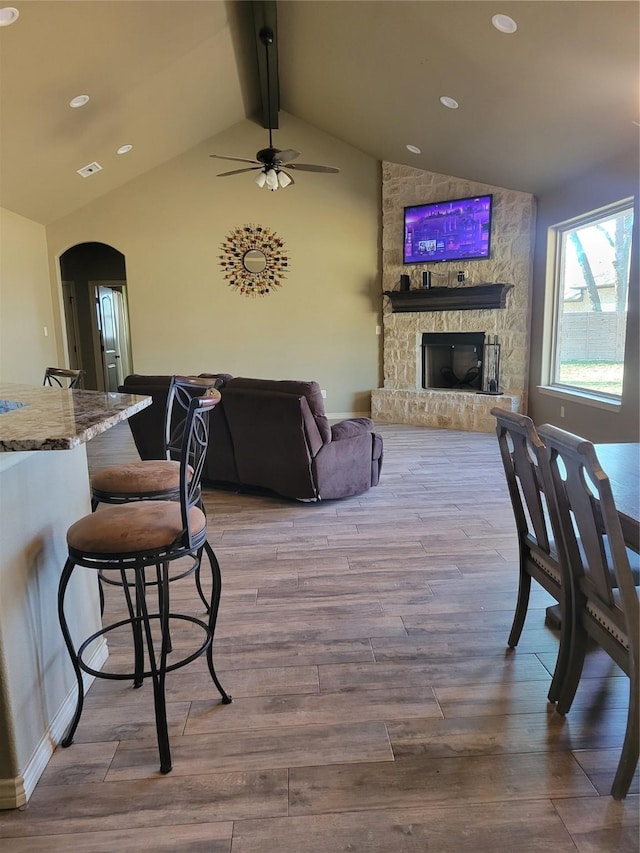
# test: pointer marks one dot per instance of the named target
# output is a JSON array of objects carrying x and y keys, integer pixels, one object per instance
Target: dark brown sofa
[{"x": 270, "y": 435}]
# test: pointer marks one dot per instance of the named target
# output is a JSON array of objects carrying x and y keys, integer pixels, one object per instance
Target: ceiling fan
[{"x": 271, "y": 162}]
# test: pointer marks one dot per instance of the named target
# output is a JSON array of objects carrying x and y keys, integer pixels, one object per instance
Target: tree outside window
[{"x": 591, "y": 294}]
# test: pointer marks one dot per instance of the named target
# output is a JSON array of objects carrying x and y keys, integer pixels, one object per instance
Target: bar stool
[
  {"x": 154, "y": 479},
  {"x": 132, "y": 538},
  {"x": 62, "y": 377}
]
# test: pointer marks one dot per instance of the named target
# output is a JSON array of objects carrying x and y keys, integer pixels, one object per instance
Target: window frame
[{"x": 557, "y": 238}]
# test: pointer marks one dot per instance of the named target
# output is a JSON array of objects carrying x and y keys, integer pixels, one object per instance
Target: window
[{"x": 591, "y": 286}]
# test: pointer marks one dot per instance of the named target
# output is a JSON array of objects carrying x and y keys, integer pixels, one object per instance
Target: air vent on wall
[{"x": 91, "y": 169}]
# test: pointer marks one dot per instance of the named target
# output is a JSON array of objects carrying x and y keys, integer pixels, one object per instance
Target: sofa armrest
[
  {"x": 350, "y": 428},
  {"x": 344, "y": 468}
]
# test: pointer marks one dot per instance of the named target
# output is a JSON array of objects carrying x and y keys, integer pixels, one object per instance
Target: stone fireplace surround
[{"x": 402, "y": 399}]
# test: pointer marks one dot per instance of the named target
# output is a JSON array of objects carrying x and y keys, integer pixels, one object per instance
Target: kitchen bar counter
[
  {"x": 42, "y": 418},
  {"x": 41, "y": 494}
]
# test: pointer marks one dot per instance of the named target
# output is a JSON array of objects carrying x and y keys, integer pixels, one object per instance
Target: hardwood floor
[{"x": 376, "y": 706}]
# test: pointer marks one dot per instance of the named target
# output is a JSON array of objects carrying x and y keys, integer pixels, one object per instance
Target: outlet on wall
[
  {"x": 324, "y": 393},
  {"x": 561, "y": 411}
]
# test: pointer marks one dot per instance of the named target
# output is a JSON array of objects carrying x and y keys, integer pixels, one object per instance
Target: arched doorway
[{"x": 94, "y": 288}]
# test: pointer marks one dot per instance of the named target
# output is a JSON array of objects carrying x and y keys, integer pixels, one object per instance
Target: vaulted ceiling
[{"x": 536, "y": 107}]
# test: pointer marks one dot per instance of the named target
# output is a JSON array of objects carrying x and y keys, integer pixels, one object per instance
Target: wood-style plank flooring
[{"x": 376, "y": 706}]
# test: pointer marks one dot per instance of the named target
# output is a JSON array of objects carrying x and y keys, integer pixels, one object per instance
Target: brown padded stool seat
[
  {"x": 137, "y": 480},
  {"x": 133, "y": 528}
]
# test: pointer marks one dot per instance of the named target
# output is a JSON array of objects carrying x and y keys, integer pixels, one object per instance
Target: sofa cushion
[{"x": 310, "y": 390}]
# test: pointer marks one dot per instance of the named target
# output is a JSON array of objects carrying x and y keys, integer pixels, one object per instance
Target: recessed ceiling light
[
  {"x": 8, "y": 16},
  {"x": 504, "y": 23},
  {"x": 414, "y": 149},
  {"x": 124, "y": 149},
  {"x": 446, "y": 101},
  {"x": 79, "y": 101}
]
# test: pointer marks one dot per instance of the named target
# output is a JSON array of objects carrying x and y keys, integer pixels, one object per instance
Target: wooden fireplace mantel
[{"x": 449, "y": 298}]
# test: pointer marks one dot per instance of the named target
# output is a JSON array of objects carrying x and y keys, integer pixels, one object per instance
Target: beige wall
[
  {"x": 614, "y": 180},
  {"x": 25, "y": 301},
  {"x": 170, "y": 223}
]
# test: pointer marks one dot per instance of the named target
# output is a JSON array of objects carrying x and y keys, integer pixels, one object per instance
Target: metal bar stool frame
[
  {"x": 182, "y": 389},
  {"x": 191, "y": 539},
  {"x": 54, "y": 375}
]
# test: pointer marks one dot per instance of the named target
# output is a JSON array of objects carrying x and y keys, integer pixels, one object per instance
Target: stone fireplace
[{"x": 410, "y": 393}]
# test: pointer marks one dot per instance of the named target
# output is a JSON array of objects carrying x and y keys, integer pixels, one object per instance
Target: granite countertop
[{"x": 57, "y": 419}]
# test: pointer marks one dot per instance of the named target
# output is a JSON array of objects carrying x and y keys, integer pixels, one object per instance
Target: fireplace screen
[{"x": 453, "y": 360}]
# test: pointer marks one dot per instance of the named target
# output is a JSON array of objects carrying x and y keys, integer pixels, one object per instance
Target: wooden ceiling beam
[{"x": 265, "y": 15}]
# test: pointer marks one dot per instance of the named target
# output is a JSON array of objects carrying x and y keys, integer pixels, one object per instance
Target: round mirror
[{"x": 254, "y": 261}]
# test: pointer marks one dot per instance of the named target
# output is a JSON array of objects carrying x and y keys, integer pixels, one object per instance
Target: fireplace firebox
[{"x": 453, "y": 360}]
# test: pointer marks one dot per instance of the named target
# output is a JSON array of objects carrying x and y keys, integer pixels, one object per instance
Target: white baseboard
[{"x": 15, "y": 792}]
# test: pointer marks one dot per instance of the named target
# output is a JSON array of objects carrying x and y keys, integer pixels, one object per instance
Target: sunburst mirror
[{"x": 254, "y": 260}]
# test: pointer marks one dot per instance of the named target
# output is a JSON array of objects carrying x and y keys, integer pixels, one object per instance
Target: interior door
[
  {"x": 107, "y": 309},
  {"x": 123, "y": 347}
]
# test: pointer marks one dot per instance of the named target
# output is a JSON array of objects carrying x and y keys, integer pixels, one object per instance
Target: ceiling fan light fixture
[
  {"x": 271, "y": 179},
  {"x": 270, "y": 161}
]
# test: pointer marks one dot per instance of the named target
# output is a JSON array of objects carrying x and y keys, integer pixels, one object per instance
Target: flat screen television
[{"x": 458, "y": 230}]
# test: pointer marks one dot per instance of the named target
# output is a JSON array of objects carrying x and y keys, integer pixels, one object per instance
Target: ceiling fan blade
[
  {"x": 237, "y": 159},
  {"x": 286, "y": 156},
  {"x": 238, "y": 171},
  {"x": 309, "y": 167}
]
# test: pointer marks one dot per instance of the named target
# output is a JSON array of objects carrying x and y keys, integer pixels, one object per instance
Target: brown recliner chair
[
  {"x": 283, "y": 441},
  {"x": 271, "y": 435}
]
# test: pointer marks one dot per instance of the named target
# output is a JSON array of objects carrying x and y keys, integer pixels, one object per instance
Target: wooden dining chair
[
  {"x": 526, "y": 470},
  {"x": 598, "y": 570},
  {"x": 63, "y": 377}
]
